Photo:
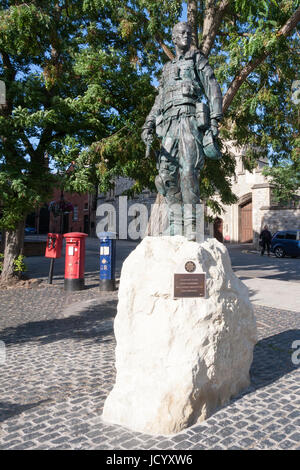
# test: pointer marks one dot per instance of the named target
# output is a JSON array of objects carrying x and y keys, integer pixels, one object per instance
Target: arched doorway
[
  {"x": 44, "y": 219},
  {"x": 246, "y": 227},
  {"x": 218, "y": 229}
]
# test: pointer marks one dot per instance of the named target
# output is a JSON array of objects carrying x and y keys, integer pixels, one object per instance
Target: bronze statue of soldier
[{"x": 188, "y": 128}]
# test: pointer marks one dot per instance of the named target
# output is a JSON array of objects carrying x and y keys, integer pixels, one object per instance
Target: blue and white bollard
[{"x": 107, "y": 280}]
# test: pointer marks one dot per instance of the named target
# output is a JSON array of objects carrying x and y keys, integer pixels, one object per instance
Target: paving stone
[
  {"x": 60, "y": 440},
  {"x": 48, "y": 437},
  {"x": 253, "y": 427},
  {"x": 286, "y": 445},
  {"x": 226, "y": 431},
  {"x": 167, "y": 444},
  {"x": 295, "y": 437},
  {"x": 196, "y": 438},
  {"x": 259, "y": 435},
  {"x": 198, "y": 447},
  {"x": 60, "y": 370},
  {"x": 271, "y": 428},
  {"x": 266, "y": 444},
  {"x": 276, "y": 436},
  {"x": 10, "y": 443},
  {"x": 133, "y": 443},
  {"x": 12, "y": 436},
  {"x": 228, "y": 441},
  {"x": 24, "y": 446},
  {"x": 246, "y": 443},
  {"x": 179, "y": 438}
]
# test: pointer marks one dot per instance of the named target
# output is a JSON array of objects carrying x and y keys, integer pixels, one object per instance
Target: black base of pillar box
[
  {"x": 107, "y": 284},
  {"x": 71, "y": 285}
]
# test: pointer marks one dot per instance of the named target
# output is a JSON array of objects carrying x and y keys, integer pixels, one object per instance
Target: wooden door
[{"x": 246, "y": 229}]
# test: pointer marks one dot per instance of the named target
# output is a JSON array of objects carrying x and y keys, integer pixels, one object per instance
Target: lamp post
[{"x": 59, "y": 208}]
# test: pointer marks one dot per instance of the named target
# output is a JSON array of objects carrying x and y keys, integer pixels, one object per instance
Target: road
[
  {"x": 248, "y": 264},
  {"x": 271, "y": 281}
]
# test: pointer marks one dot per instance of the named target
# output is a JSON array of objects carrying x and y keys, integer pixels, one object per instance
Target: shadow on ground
[
  {"x": 272, "y": 355},
  {"x": 269, "y": 268},
  {"x": 273, "y": 358},
  {"x": 91, "y": 322},
  {"x": 9, "y": 410}
]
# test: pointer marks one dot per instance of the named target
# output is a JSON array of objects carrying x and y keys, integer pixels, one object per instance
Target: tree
[
  {"x": 79, "y": 83},
  {"x": 53, "y": 112},
  {"x": 285, "y": 176},
  {"x": 254, "y": 51}
]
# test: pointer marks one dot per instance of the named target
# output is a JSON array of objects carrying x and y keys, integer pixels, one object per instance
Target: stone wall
[
  {"x": 280, "y": 218},
  {"x": 261, "y": 194}
]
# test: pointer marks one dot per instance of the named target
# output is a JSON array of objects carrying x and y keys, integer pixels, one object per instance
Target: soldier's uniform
[{"x": 181, "y": 119}]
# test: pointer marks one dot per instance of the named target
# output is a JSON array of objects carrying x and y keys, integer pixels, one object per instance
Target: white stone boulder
[{"x": 178, "y": 360}]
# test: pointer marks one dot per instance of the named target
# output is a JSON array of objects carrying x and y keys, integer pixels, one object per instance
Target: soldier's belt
[{"x": 176, "y": 111}]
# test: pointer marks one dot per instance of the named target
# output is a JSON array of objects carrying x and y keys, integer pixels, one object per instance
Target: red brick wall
[{"x": 71, "y": 225}]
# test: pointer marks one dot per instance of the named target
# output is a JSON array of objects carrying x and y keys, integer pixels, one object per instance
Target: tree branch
[
  {"x": 157, "y": 37},
  {"x": 46, "y": 137},
  {"x": 192, "y": 10},
  {"x": 166, "y": 50},
  {"x": 212, "y": 20},
  {"x": 30, "y": 150},
  {"x": 243, "y": 74}
]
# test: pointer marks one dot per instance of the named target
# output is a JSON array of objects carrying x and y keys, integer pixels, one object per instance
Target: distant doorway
[
  {"x": 44, "y": 219},
  {"x": 86, "y": 227},
  {"x": 65, "y": 223},
  {"x": 218, "y": 229},
  {"x": 246, "y": 227}
]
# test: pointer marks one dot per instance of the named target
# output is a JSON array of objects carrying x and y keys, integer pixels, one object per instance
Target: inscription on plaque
[{"x": 189, "y": 285}]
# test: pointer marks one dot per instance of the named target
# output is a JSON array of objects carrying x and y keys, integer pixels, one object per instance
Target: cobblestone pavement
[{"x": 60, "y": 367}]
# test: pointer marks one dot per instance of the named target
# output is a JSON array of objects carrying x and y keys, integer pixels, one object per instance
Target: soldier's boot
[
  {"x": 168, "y": 186},
  {"x": 190, "y": 231},
  {"x": 175, "y": 219},
  {"x": 190, "y": 196}
]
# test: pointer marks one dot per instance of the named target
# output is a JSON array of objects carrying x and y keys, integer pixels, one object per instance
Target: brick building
[{"x": 81, "y": 219}]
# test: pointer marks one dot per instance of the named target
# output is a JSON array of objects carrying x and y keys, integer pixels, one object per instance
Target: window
[
  {"x": 75, "y": 213},
  {"x": 86, "y": 206},
  {"x": 281, "y": 236},
  {"x": 290, "y": 236}
]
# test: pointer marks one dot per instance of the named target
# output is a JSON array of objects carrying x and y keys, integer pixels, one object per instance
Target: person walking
[{"x": 265, "y": 238}]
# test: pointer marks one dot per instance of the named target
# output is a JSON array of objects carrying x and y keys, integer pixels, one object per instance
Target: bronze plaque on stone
[{"x": 189, "y": 285}]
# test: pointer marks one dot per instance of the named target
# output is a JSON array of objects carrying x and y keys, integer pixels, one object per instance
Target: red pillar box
[
  {"x": 74, "y": 261},
  {"x": 54, "y": 245}
]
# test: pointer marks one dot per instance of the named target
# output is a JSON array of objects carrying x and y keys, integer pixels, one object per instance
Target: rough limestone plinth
[{"x": 178, "y": 360}]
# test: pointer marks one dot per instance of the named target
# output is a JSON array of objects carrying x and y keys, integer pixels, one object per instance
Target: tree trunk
[
  {"x": 13, "y": 247},
  {"x": 192, "y": 10},
  {"x": 213, "y": 17}
]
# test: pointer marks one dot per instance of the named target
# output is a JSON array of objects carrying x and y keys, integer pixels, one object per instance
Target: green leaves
[
  {"x": 79, "y": 79},
  {"x": 22, "y": 29}
]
